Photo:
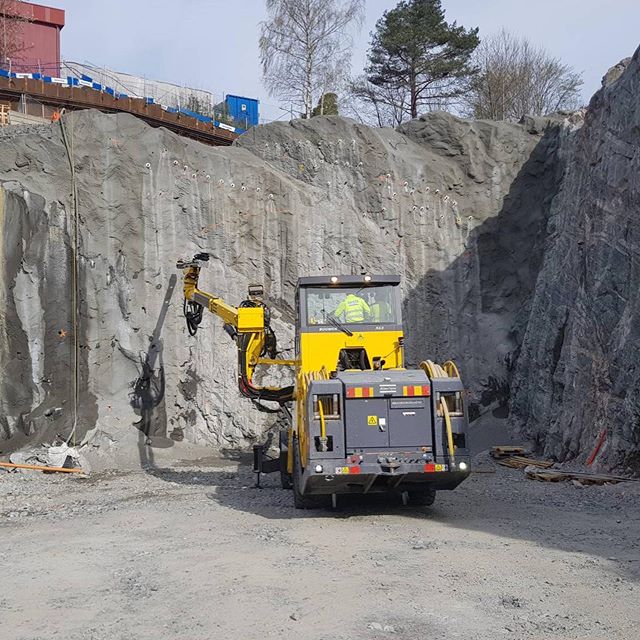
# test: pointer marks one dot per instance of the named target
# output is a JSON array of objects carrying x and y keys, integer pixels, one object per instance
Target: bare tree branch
[
  {"x": 305, "y": 47},
  {"x": 518, "y": 78},
  {"x": 13, "y": 16}
]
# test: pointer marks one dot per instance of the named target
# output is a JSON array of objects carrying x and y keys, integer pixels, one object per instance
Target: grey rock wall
[
  {"x": 579, "y": 367},
  {"x": 289, "y": 199},
  {"x": 471, "y": 214}
]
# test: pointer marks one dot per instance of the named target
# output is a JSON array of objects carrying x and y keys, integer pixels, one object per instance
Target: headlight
[
  {"x": 318, "y": 468},
  {"x": 463, "y": 466}
]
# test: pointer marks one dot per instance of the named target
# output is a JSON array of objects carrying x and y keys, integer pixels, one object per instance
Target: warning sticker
[{"x": 372, "y": 421}]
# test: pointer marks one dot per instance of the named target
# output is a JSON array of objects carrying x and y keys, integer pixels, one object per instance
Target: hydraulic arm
[{"x": 248, "y": 325}]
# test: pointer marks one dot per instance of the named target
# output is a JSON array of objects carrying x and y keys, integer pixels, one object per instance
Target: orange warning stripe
[
  {"x": 416, "y": 390},
  {"x": 360, "y": 392}
]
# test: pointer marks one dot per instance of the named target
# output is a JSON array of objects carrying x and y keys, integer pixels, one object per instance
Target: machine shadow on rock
[{"x": 148, "y": 390}]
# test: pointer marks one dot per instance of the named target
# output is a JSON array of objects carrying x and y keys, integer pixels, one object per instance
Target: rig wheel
[
  {"x": 423, "y": 498},
  {"x": 285, "y": 476},
  {"x": 300, "y": 501}
]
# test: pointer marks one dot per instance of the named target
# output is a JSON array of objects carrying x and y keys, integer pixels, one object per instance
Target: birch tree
[{"x": 305, "y": 48}]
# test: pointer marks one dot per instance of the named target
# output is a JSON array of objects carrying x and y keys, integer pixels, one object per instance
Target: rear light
[{"x": 347, "y": 470}]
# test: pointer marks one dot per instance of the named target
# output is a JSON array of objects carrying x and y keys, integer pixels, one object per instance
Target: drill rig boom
[{"x": 248, "y": 325}]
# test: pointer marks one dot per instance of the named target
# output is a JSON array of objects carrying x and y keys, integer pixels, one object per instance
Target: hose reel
[{"x": 446, "y": 370}]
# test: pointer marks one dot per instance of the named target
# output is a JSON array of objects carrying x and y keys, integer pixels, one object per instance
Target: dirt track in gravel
[{"x": 197, "y": 552}]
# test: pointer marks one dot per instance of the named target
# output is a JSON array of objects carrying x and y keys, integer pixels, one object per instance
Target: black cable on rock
[{"x": 193, "y": 315}]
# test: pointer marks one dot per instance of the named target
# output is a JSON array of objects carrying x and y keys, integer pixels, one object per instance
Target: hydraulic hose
[
  {"x": 448, "y": 370},
  {"x": 447, "y": 422},
  {"x": 323, "y": 426},
  {"x": 74, "y": 278},
  {"x": 193, "y": 315},
  {"x": 280, "y": 395}
]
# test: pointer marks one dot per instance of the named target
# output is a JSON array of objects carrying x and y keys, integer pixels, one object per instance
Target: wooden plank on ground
[
  {"x": 38, "y": 467},
  {"x": 520, "y": 462},
  {"x": 584, "y": 477}
]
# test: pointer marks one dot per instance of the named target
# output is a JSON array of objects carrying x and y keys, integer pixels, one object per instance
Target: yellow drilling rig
[{"x": 359, "y": 422}]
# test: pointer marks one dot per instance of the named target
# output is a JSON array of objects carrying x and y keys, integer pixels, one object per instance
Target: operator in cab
[
  {"x": 354, "y": 308},
  {"x": 380, "y": 308}
]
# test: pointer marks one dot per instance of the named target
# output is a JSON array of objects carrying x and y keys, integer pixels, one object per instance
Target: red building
[{"x": 34, "y": 46}]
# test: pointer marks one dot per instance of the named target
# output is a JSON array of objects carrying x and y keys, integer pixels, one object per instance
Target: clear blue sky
[{"x": 212, "y": 44}]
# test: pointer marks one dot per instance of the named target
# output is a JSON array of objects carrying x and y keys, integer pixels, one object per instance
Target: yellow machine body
[
  {"x": 358, "y": 420},
  {"x": 320, "y": 350}
]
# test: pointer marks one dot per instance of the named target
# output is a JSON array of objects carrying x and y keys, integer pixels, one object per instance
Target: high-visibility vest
[
  {"x": 354, "y": 308},
  {"x": 381, "y": 312}
]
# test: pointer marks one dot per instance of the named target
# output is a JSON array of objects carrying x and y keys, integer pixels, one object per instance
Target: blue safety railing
[{"x": 86, "y": 81}]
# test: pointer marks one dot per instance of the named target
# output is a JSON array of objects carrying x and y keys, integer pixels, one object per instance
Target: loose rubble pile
[{"x": 515, "y": 244}]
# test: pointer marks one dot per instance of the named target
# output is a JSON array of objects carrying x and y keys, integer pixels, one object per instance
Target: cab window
[{"x": 351, "y": 305}]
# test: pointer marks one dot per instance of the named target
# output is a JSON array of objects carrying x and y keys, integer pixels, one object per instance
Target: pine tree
[{"x": 413, "y": 49}]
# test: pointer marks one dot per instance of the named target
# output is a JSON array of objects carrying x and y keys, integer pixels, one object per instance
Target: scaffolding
[{"x": 164, "y": 93}]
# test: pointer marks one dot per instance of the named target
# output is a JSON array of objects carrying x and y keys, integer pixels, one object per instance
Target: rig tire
[
  {"x": 300, "y": 501},
  {"x": 285, "y": 476},
  {"x": 424, "y": 498}
]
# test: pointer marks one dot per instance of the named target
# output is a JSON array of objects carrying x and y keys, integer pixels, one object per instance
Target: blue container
[{"x": 245, "y": 111}]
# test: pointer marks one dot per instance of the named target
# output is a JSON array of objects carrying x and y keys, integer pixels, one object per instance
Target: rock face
[
  {"x": 478, "y": 217},
  {"x": 579, "y": 367},
  {"x": 456, "y": 208}
]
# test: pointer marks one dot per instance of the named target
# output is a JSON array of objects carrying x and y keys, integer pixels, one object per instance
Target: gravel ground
[{"x": 197, "y": 552}]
